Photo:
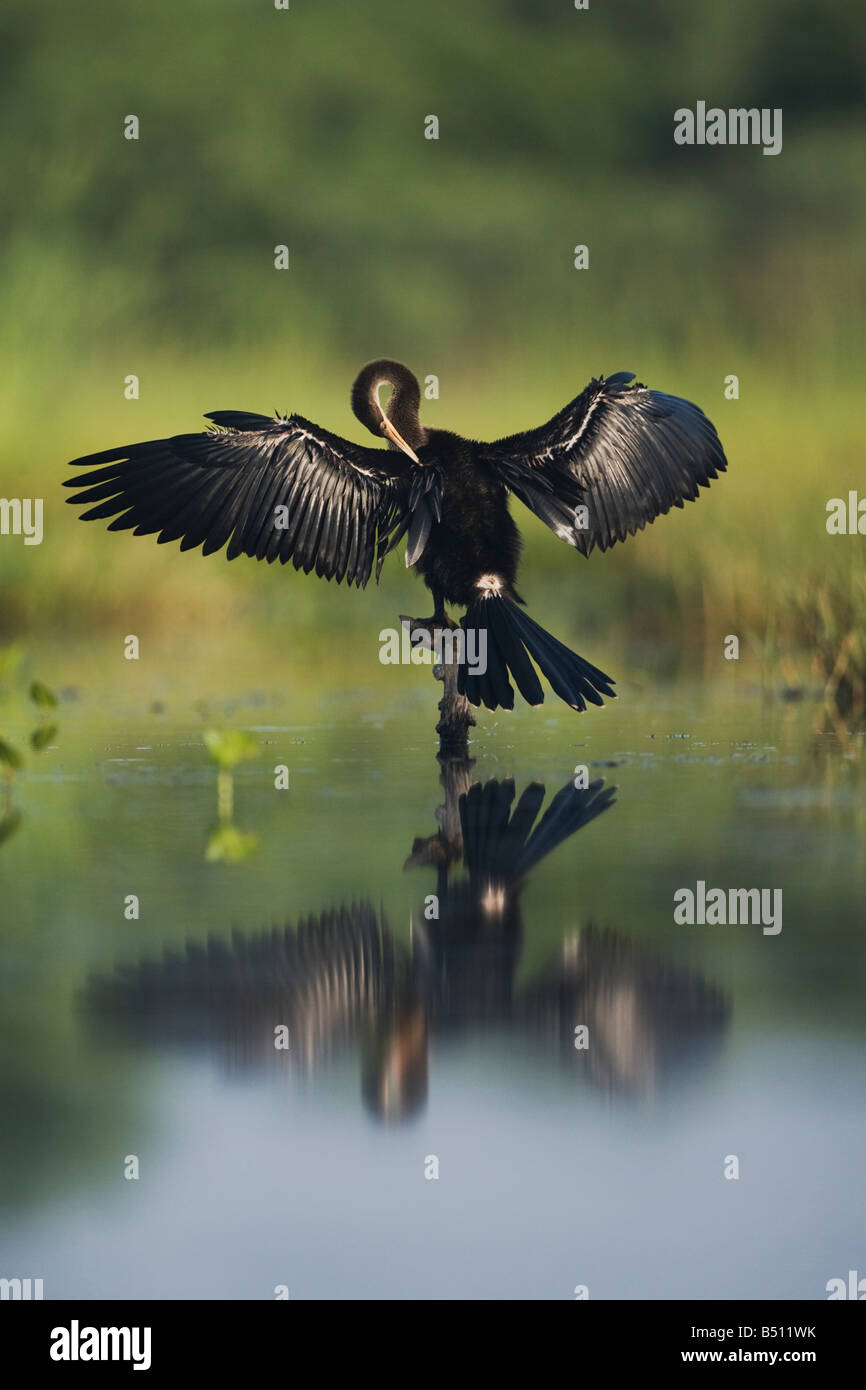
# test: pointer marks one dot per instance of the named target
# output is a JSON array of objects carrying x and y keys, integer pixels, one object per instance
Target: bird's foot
[{"x": 431, "y": 626}]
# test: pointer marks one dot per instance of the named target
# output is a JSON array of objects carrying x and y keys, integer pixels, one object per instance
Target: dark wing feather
[
  {"x": 623, "y": 452},
  {"x": 424, "y": 508},
  {"x": 346, "y": 506},
  {"x": 420, "y": 527}
]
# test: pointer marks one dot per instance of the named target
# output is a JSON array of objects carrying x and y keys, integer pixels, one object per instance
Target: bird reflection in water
[{"x": 340, "y": 979}]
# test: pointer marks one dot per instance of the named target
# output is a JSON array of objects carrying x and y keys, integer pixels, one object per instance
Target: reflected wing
[
  {"x": 646, "y": 1018},
  {"x": 324, "y": 980},
  {"x": 341, "y": 505},
  {"x": 622, "y": 452}
]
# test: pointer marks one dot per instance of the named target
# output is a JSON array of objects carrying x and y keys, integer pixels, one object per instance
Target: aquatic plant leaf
[
  {"x": 42, "y": 696},
  {"x": 228, "y": 845},
  {"x": 41, "y": 737},
  {"x": 9, "y": 824},
  {"x": 9, "y": 756},
  {"x": 228, "y": 747}
]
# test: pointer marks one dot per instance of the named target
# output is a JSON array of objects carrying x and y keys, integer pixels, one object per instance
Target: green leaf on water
[
  {"x": 42, "y": 696},
  {"x": 9, "y": 756},
  {"x": 228, "y": 845},
  {"x": 228, "y": 747},
  {"x": 9, "y": 824},
  {"x": 41, "y": 737}
]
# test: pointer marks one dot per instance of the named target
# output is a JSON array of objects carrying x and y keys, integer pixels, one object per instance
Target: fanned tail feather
[{"x": 511, "y": 639}]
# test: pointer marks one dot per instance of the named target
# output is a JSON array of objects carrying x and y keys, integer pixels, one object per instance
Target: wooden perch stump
[{"x": 455, "y": 712}]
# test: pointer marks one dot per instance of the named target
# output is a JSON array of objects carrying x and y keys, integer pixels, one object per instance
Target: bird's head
[{"x": 398, "y": 420}]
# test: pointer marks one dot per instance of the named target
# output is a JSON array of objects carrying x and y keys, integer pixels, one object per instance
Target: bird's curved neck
[{"x": 401, "y": 412}]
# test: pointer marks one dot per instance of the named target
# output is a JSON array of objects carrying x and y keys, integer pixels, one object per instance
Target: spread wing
[
  {"x": 326, "y": 979},
  {"x": 620, "y": 453},
  {"x": 267, "y": 487}
]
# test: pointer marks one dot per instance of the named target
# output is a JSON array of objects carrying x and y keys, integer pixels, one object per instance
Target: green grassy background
[{"x": 305, "y": 127}]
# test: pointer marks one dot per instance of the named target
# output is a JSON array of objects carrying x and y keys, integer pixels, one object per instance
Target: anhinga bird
[{"x": 611, "y": 461}]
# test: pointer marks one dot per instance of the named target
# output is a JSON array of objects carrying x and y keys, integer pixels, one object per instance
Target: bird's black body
[
  {"x": 476, "y": 534},
  {"x": 605, "y": 466}
]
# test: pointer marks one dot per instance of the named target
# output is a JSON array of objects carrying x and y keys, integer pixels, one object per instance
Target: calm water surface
[{"x": 416, "y": 1039}]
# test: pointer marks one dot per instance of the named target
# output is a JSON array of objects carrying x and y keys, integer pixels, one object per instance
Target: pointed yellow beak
[{"x": 396, "y": 438}]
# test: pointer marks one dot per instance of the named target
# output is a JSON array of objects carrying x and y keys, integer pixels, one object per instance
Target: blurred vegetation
[
  {"x": 305, "y": 127},
  {"x": 40, "y": 738},
  {"x": 827, "y": 620}
]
